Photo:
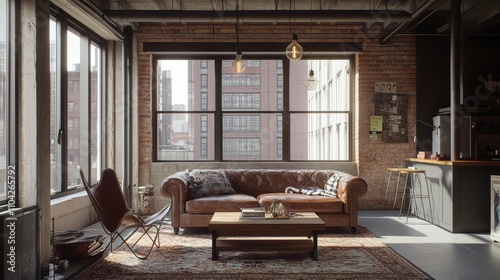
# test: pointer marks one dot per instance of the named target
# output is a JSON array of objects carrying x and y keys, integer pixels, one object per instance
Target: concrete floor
[{"x": 441, "y": 254}]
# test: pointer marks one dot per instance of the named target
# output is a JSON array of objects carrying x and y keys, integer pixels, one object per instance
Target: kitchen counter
[
  {"x": 459, "y": 193},
  {"x": 457, "y": 162}
]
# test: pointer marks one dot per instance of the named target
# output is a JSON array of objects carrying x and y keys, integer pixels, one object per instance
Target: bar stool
[
  {"x": 412, "y": 174},
  {"x": 391, "y": 170}
]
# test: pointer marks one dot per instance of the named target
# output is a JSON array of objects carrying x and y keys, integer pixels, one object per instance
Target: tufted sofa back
[{"x": 258, "y": 181}]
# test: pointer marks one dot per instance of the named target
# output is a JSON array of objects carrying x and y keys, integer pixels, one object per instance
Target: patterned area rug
[{"x": 342, "y": 255}]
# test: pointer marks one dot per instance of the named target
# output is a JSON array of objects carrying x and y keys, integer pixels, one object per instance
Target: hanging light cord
[
  {"x": 311, "y": 29},
  {"x": 238, "y": 26}
]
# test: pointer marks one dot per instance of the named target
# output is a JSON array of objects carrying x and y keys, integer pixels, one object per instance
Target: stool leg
[
  {"x": 396, "y": 193},
  {"x": 404, "y": 194},
  {"x": 412, "y": 194},
  {"x": 421, "y": 196},
  {"x": 387, "y": 188}
]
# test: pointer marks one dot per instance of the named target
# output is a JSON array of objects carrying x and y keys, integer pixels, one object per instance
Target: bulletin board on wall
[{"x": 393, "y": 110}]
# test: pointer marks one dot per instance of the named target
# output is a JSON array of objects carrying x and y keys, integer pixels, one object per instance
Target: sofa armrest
[
  {"x": 349, "y": 190},
  {"x": 176, "y": 187}
]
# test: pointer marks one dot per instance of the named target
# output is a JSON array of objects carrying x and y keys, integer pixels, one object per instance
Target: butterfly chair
[{"x": 117, "y": 220}]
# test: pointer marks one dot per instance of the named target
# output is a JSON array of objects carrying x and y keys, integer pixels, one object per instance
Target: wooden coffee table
[{"x": 229, "y": 224}]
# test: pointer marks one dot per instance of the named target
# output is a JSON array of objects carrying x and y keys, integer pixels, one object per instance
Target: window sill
[
  {"x": 69, "y": 197},
  {"x": 72, "y": 211}
]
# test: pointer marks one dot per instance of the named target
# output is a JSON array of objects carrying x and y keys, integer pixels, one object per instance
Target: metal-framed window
[
  {"x": 263, "y": 114},
  {"x": 8, "y": 120},
  {"x": 77, "y": 115}
]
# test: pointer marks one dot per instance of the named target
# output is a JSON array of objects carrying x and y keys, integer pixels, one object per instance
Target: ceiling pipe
[
  {"x": 455, "y": 77},
  {"x": 414, "y": 16},
  {"x": 414, "y": 25},
  {"x": 481, "y": 26},
  {"x": 257, "y": 16},
  {"x": 465, "y": 14}
]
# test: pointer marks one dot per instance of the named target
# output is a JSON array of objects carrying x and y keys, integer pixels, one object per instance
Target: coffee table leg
[
  {"x": 315, "y": 246},
  {"x": 214, "y": 245}
]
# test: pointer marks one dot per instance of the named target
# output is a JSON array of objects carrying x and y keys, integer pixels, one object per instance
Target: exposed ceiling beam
[
  {"x": 160, "y": 4},
  {"x": 303, "y": 16},
  {"x": 414, "y": 16},
  {"x": 445, "y": 27},
  {"x": 481, "y": 26}
]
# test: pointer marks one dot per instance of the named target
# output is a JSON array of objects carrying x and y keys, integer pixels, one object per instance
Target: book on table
[{"x": 257, "y": 212}]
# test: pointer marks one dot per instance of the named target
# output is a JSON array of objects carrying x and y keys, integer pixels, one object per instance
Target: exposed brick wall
[{"x": 394, "y": 61}]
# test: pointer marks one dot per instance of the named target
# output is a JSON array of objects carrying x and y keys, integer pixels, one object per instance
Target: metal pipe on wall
[{"x": 127, "y": 91}]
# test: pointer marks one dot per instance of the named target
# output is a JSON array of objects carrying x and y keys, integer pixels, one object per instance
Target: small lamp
[
  {"x": 294, "y": 51},
  {"x": 311, "y": 82},
  {"x": 238, "y": 64}
]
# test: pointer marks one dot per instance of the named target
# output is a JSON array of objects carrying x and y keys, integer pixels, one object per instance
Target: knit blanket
[
  {"x": 330, "y": 190},
  {"x": 307, "y": 191}
]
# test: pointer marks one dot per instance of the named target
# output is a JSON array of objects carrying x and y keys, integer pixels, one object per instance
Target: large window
[
  {"x": 7, "y": 169},
  {"x": 206, "y": 112},
  {"x": 76, "y": 107}
]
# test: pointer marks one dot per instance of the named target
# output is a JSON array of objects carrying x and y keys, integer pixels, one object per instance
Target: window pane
[
  {"x": 55, "y": 109},
  {"x": 259, "y": 88},
  {"x": 252, "y": 137},
  {"x": 3, "y": 98},
  {"x": 95, "y": 112},
  {"x": 298, "y": 91},
  {"x": 185, "y": 85},
  {"x": 185, "y": 136},
  {"x": 332, "y": 92},
  {"x": 73, "y": 59},
  {"x": 322, "y": 136}
]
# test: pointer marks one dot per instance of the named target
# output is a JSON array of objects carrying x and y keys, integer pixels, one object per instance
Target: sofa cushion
[
  {"x": 221, "y": 203},
  {"x": 209, "y": 183},
  {"x": 304, "y": 203}
]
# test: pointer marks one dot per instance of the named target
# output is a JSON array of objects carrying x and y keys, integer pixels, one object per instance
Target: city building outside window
[{"x": 206, "y": 114}]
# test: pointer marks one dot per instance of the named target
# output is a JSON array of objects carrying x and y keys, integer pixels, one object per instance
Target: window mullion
[
  {"x": 218, "y": 130},
  {"x": 286, "y": 111},
  {"x": 62, "y": 92}
]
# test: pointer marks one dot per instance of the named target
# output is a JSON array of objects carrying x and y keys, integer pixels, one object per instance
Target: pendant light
[
  {"x": 311, "y": 82},
  {"x": 294, "y": 50},
  {"x": 238, "y": 64}
]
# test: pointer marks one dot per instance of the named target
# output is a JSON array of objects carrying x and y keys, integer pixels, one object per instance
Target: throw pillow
[
  {"x": 209, "y": 183},
  {"x": 331, "y": 185}
]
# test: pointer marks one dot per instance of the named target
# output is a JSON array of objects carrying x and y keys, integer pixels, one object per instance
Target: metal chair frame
[{"x": 118, "y": 221}]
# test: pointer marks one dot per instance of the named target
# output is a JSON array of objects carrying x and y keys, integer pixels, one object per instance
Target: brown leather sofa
[{"x": 259, "y": 187}]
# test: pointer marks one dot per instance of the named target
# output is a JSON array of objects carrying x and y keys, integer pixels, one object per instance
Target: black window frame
[
  {"x": 11, "y": 106},
  {"x": 219, "y": 52},
  {"x": 68, "y": 23}
]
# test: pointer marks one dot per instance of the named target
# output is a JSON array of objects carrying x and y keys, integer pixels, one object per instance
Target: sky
[{"x": 179, "y": 72}]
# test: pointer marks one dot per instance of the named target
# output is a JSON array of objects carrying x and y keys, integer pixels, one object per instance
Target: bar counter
[{"x": 459, "y": 193}]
